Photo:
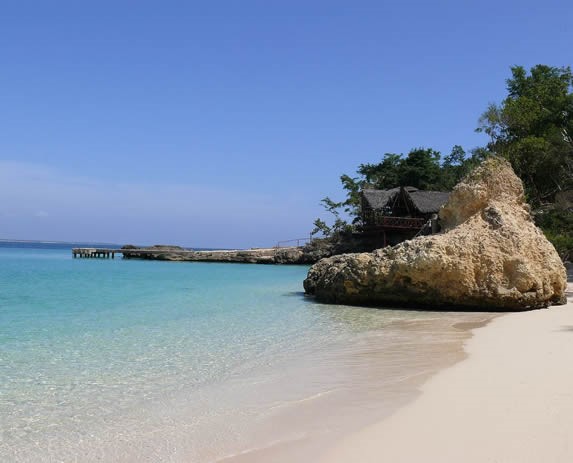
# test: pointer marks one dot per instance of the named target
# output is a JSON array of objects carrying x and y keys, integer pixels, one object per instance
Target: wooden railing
[
  {"x": 289, "y": 243},
  {"x": 378, "y": 220}
]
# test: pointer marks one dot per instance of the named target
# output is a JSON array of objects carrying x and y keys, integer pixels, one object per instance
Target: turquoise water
[{"x": 126, "y": 360}]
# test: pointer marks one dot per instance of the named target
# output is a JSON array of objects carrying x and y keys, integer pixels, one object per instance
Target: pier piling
[{"x": 94, "y": 253}]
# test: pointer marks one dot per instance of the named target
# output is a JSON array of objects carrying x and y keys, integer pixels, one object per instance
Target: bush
[{"x": 557, "y": 224}]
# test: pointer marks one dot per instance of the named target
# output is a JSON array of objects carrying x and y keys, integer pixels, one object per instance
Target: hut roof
[
  {"x": 428, "y": 202},
  {"x": 378, "y": 199}
]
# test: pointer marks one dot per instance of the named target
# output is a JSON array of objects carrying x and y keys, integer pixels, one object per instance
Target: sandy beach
[{"x": 511, "y": 400}]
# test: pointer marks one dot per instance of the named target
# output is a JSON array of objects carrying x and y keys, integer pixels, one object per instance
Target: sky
[{"x": 224, "y": 123}]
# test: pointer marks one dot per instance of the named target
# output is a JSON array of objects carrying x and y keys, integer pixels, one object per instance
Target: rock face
[{"x": 489, "y": 255}]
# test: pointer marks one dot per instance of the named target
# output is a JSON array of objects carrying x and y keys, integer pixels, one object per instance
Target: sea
[{"x": 145, "y": 361}]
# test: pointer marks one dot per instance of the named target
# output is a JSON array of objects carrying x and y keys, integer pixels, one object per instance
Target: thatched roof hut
[
  {"x": 401, "y": 202},
  {"x": 428, "y": 202}
]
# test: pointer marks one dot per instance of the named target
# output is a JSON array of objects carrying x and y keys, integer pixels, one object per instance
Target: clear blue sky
[{"x": 224, "y": 123}]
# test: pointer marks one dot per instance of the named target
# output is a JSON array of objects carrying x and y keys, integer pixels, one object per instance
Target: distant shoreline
[
  {"x": 6, "y": 240},
  {"x": 73, "y": 244}
]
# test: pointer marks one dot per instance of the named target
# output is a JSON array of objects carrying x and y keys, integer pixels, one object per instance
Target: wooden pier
[
  {"x": 91, "y": 253},
  {"x": 129, "y": 252}
]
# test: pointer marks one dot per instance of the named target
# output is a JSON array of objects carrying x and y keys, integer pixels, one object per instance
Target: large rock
[{"x": 490, "y": 255}]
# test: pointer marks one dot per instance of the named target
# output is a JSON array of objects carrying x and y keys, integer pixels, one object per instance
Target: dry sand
[{"x": 510, "y": 401}]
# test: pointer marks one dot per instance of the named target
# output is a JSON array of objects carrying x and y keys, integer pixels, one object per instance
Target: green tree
[
  {"x": 385, "y": 174},
  {"x": 453, "y": 167},
  {"x": 533, "y": 129},
  {"x": 456, "y": 157},
  {"x": 458, "y": 164},
  {"x": 420, "y": 168},
  {"x": 557, "y": 224}
]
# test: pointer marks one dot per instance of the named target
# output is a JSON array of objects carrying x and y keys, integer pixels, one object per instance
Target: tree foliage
[
  {"x": 422, "y": 168},
  {"x": 557, "y": 224},
  {"x": 533, "y": 129}
]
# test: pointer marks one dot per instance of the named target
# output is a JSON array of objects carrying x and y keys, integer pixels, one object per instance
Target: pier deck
[{"x": 96, "y": 252}]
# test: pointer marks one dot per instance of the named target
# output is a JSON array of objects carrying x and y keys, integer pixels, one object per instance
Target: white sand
[{"x": 511, "y": 400}]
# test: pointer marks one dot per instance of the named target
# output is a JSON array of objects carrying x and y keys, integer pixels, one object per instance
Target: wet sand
[
  {"x": 510, "y": 401},
  {"x": 382, "y": 375}
]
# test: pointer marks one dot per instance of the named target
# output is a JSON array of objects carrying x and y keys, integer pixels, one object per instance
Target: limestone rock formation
[
  {"x": 489, "y": 255},
  {"x": 287, "y": 255}
]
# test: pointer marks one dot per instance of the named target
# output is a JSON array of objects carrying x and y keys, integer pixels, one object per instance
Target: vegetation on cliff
[
  {"x": 490, "y": 255},
  {"x": 532, "y": 128}
]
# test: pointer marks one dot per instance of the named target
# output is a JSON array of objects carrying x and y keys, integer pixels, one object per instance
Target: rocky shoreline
[
  {"x": 489, "y": 255},
  {"x": 288, "y": 255},
  {"x": 310, "y": 253}
]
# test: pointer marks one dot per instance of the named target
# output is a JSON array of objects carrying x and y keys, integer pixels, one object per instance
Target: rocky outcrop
[
  {"x": 489, "y": 255},
  {"x": 287, "y": 255}
]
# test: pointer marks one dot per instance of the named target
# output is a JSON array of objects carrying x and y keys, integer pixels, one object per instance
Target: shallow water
[{"x": 125, "y": 360}]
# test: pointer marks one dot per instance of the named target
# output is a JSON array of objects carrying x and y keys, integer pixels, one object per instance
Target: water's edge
[
  {"x": 304, "y": 448},
  {"x": 130, "y": 360}
]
